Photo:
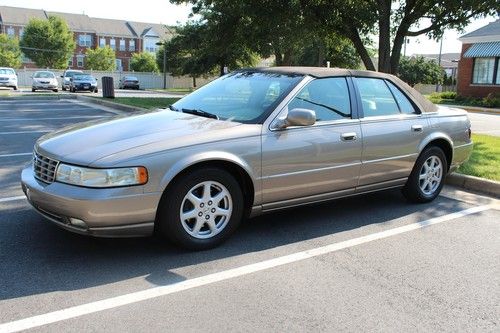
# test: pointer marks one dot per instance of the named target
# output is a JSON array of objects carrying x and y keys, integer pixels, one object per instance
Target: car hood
[
  {"x": 108, "y": 142},
  {"x": 84, "y": 81},
  {"x": 38, "y": 79}
]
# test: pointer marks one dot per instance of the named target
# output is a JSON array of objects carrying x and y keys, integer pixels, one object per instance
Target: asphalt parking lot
[
  {"x": 118, "y": 93},
  {"x": 369, "y": 263}
]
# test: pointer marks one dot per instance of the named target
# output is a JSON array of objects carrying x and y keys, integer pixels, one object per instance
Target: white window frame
[
  {"x": 102, "y": 42},
  {"x": 11, "y": 32},
  {"x": 122, "y": 45},
  {"x": 112, "y": 43},
  {"x": 85, "y": 40},
  {"x": 21, "y": 32},
  {"x": 119, "y": 64},
  {"x": 131, "y": 45},
  {"x": 70, "y": 62},
  {"x": 80, "y": 61}
]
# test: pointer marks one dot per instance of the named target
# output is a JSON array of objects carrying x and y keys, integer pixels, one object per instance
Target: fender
[
  {"x": 188, "y": 161},
  {"x": 434, "y": 136}
]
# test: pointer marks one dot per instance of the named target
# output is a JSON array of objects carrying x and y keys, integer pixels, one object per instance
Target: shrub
[{"x": 448, "y": 95}]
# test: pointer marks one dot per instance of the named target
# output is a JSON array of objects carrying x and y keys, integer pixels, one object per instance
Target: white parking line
[
  {"x": 23, "y": 132},
  {"x": 21, "y": 197},
  {"x": 109, "y": 303},
  {"x": 52, "y": 118},
  {"x": 18, "y": 154}
]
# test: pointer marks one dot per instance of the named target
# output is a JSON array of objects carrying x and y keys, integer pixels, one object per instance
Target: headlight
[{"x": 89, "y": 177}]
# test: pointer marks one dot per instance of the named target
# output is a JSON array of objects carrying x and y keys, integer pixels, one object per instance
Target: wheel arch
[
  {"x": 442, "y": 141},
  {"x": 234, "y": 165}
]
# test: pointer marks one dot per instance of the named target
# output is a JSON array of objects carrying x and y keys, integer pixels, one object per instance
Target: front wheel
[
  {"x": 427, "y": 177},
  {"x": 201, "y": 209}
]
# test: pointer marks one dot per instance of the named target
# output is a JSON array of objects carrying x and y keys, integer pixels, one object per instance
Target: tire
[
  {"x": 425, "y": 182},
  {"x": 96, "y": 90},
  {"x": 63, "y": 88},
  {"x": 33, "y": 90},
  {"x": 55, "y": 90},
  {"x": 210, "y": 229},
  {"x": 15, "y": 87}
]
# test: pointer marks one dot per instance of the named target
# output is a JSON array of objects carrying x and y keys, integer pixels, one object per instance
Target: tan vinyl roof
[
  {"x": 112, "y": 27},
  {"x": 321, "y": 72},
  {"x": 160, "y": 30}
]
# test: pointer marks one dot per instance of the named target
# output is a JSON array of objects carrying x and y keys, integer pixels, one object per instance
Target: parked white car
[
  {"x": 44, "y": 80},
  {"x": 8, "y": 77}
]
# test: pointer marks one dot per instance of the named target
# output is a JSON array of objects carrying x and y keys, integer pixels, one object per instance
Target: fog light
[{"x": 77, "y": 223}]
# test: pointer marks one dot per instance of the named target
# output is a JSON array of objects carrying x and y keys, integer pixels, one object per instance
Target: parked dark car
[
  {"x": 129, "y": 82},
  {"x": 66, "y": 78},
  {"x": 83, "y": 82}
]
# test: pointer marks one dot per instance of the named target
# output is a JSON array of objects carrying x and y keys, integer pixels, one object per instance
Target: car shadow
[{"x": 37, "y": 257}]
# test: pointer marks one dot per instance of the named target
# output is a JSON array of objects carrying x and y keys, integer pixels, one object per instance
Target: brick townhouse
[
  {"x": 479, "y": 66},
  {"x": 125, "y": 37}
]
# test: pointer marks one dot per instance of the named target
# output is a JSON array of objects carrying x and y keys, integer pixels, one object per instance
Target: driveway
[{"x": 368, "y": 263}]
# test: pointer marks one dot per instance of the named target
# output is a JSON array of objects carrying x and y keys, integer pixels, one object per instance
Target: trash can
[{"x": 108, "y": 90}]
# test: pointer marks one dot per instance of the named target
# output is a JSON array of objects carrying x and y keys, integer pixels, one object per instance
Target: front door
[{"x": 303, "y": 161}]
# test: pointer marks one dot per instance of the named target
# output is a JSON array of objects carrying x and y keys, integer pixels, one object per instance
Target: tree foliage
[
  {"x": 285, "y": 27},
  {"x": 415, "y": 70},
  {"x": 49, "y": 43},
  {"x": 100, "y": 59},
  {"x": 10, "y": 53},
  {"x": 143, "y": 62}
]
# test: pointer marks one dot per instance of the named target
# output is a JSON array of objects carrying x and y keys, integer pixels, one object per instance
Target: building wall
[
  {"x": 81, "y": 50},
  {"x": 464, "y": 79}
]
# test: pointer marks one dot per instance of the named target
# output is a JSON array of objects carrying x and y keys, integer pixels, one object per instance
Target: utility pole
[
  {"x": 439, "y": 58},
  {"x": 164, "y": 63}
]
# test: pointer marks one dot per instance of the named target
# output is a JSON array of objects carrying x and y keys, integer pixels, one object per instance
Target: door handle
[
  {"x": 417, "y": 128},
  {"x": 351, "y": 136}
]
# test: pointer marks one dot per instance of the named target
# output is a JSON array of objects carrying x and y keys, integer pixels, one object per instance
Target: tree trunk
[
  {"x": 384, "y": 38},
  {"x": 221, "y": 72},
  {"x": 278, "y": 57},
  {"x": 287, "y": 57},
  {"x": 194, "y": 81},
  {"x": 353, "y": 35},
  {"x": 321, "y": 54}
]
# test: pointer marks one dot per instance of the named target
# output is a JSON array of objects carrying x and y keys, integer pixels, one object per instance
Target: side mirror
[{"x": 298, "y": 117}]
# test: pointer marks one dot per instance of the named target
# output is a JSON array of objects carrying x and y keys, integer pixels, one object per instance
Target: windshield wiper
[
  {"x": 340, "y": 113},
  {"x": 199, "y": 112}
]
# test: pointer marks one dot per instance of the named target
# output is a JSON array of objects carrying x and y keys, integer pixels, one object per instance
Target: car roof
[{"x": 322, "y": 72}]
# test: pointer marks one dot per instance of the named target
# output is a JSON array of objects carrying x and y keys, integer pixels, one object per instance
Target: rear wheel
[
  {"x": 15, "y": 87},
  {"x": 63, "y": 88},
  {"x": 427, "y": 177},
  {"x": 55, "y": 90},
  {"x": 33, "y": 89},
  {"x": 201, "y": 209}
]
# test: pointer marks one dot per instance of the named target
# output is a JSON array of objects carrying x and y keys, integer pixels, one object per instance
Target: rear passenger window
[
  {"x": 328, "y": 98},
  {"x": 404, "y": 103},
  {"x": 376, "y": 97}
]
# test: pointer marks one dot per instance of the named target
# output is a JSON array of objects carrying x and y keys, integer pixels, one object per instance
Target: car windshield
[
  {"x": 71, "y": 74},
  {"x": 44, "y": 75},
  {"x": 77, "y": 77},
  {"x": 7, "y": 71},
  {"x": 130, "y": 78},
  {"x": 245, "y": 97}
]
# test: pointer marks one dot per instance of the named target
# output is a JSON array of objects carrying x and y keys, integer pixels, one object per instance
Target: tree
[
  {"x": 393, "y": 21},
  {"x": 10, "y": 53},
  {"x": 100, "y": 59},
  {"x": 415, "y": 70},
  {"x": 49, "y": 43},
  {"x": 143, "y": 62}
]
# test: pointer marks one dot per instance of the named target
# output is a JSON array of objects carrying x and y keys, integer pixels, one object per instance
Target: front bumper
[
  {"x": 8, "y": 83},
  {"x": 112, "y": 212},
  {"x": 44, "y": 86},
  {"x": 85, "y": 87}
]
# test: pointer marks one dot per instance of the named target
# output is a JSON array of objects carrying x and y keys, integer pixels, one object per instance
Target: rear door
[{"x": 392, "y": 127}]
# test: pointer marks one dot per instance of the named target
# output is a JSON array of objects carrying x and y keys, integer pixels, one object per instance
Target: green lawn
[
  {"x": 485, "y": 159},
  {"x": 146, "y": 102}
]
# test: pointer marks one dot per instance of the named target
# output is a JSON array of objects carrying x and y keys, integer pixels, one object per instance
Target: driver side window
[{"x": 328, "y": 98}]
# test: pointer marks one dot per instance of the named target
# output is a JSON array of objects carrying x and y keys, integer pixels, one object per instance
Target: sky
[{"x": 162, "y": 11}]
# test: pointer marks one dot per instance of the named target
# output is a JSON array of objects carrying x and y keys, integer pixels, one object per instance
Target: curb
[
  {"x": 117, "y": 106},
  {"x": 473, "y": 109},
  {"x": 476, "y": 184},
  {"x": 41, "y": 97}
]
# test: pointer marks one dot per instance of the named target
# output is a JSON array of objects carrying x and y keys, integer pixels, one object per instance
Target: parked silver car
[
  {"x": 250, "y": 142},
  {"x": 128, "y": 82},
  {"x": 44, "y": 80},
  {"x": 8, "y": 77}
]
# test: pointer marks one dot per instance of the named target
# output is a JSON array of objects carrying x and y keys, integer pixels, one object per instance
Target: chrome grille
[{"x": 44, "y": 168}]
